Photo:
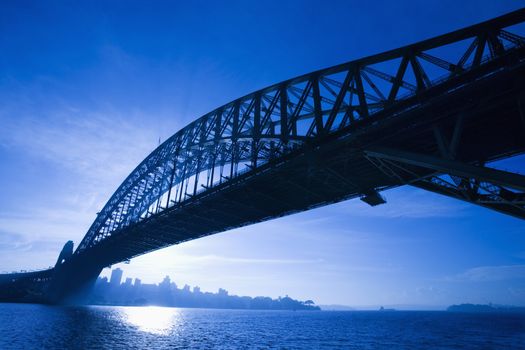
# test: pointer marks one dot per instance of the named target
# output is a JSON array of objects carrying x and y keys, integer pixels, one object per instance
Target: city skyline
[
  {"x": 166, "y": 293},
  {"x": 73, "y": 105}
]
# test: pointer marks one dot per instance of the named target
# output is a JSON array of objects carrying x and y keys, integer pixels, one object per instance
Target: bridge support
[
  {"x": 373, "y": 198},
  {"x": 495, "y": 189},
  {"x": 72, "y": 283},
  {"x": 65, "y": 254}
]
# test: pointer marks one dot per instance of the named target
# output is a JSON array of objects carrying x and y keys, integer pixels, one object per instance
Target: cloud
[
  {"x": 11, "y": 241},
  {"x": 206, "y": 260},
  {"x": 21, "y": 250},
  {"x": 95, "y": 145},
  {"x": 490, "y": 274},
  {"x": 51, "y": 224},
  {"x": 211, "y": 259},
  {"x": 93, "y": 150},
  {"x": 429, "y": 291},
  {"x": 517, "y": 292}
]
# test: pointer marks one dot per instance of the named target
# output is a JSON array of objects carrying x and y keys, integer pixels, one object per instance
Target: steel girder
[
  {"x": 264, "y": 126},
  {"x": 492, "y": 188}
]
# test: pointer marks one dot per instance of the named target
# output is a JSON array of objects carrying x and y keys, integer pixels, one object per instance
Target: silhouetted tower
[
  {"x": 116, "y": 277},
  {"x": 166, "y": 282}
]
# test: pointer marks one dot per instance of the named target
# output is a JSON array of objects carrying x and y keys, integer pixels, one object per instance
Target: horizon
[
  {"x": 324, "y": 307},
  {"x": 83, "y": 107}
]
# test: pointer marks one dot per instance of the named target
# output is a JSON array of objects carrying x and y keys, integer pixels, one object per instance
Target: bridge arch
[{"x": 262, "y": 127}]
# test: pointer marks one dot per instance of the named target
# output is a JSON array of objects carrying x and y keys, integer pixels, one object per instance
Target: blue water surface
[{"x": 100, "y": 327}]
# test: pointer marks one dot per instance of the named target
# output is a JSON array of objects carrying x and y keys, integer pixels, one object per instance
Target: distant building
[
  {"x": 116, "y": 277},
  {"x": 165, "y": 282},
  {"x": 102, "y": 280},
  {"x": 166, "y": 293}
]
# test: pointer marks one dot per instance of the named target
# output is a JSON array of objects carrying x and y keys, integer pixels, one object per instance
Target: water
[{"x": 97, "y": 327}]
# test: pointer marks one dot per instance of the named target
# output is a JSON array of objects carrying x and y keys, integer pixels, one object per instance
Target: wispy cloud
[
  {"x": 210, "y": 265},
  {"x": 53, "y": 224},
  {"x": 211, "y": 259},
  {"x": 517, "y": 292},
  {"x": 490, "y": 273},
  {"x": 12, "y": 241},
  {"x": 427, "y": 291},
  {"x": 183, "y": 259},
  {"x": 93, "y": 144},
  {"x": 92, "y": 150}
]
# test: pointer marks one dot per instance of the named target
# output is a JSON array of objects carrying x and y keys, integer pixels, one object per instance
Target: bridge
[{"x": 431, "y": 115}]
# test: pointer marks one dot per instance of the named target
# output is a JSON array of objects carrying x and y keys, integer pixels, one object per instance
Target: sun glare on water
[{"x": 153, "y": 319}]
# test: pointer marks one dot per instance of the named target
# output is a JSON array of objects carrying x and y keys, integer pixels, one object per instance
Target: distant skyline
[
  {"x": 167, "y": 293},
  {"x": 87, "y": 90},
  {"x": 107, "y": 285}
]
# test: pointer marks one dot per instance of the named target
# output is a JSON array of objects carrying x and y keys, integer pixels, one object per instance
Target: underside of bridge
[
  {"x": 344, "y": 132},
  {"x": 358, "y": 166}
]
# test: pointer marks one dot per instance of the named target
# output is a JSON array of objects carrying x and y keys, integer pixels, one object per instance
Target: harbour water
[{"x": 100, "y": 327}]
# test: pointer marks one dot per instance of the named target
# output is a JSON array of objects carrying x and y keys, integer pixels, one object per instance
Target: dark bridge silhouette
[{"x": 429, "y": 115}]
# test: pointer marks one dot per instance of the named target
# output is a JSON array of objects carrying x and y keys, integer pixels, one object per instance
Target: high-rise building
[
  {"x": 102, "y": 281},
  {"x": 165, "y": 282},
  {"x": 116, "y": 277},
  {"x": 137, "y": 282},
  {"x": 128, "y": 282}
]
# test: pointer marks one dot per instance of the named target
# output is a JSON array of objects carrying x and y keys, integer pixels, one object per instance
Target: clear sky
[{"x": 87, "y": 90}]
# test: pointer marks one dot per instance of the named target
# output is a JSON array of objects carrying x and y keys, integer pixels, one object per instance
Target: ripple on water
[{"x": 98, "y": 327}]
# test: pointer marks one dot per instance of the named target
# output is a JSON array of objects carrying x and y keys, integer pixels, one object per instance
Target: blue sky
[{"x": 87, "y": 90}]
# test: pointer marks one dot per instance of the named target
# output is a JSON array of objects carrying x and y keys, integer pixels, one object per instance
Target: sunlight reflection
[{"x": 153, "y": 319}]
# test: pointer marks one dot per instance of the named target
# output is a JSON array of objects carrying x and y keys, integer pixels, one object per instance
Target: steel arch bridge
[{"x": 431, "y": 115}]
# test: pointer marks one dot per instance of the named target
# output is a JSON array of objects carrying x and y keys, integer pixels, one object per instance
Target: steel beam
[
  {"x": 451, "y": 167},
  {"x": 253, "y": 129}
]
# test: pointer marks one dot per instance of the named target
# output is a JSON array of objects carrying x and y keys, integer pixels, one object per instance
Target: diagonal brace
[{"x": 451, "y": 167}]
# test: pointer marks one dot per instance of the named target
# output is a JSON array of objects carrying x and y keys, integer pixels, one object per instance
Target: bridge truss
[{"x": 265, "y": 127}]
